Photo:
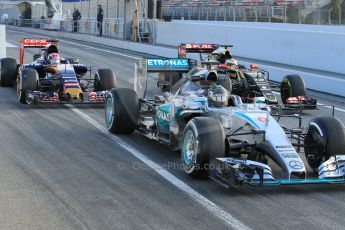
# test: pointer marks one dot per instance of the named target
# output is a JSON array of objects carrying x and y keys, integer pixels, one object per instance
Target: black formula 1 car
[
  {"x": 62, "y": 82},
  {"x": 251, "y": 82},
  {"x": 221, "y": 137}
]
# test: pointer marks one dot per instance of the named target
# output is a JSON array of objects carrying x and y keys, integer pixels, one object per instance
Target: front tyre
[
  {"x": 104, "y": 80},
  {"x": 28, "y": 81},
  {"x": 121, "y": 110},
  {"x": 325, "y": 138},
  {"x": 292, "y": 86},
  {"x": 202, "y": 139}
]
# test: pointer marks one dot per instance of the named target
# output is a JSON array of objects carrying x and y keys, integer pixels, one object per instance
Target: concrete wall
[
  {"x": 309, "y": 46},
  {"x": 2, "y": 41}
]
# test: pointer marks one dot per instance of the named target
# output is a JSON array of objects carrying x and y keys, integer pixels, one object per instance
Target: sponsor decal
[
  {"x": 163, "y": 116},
  {"x": 34, "y": 41},
  {"x": 71, "y": 84},
  {"x": 33, "y": 65},
  {"x": 296, "y": 164},
  {"x": 199, "y": 46},
  {"x": 283, "y": 146},
  {"x": 236, "y": 161},
  {"x": 171, "y": 63},
  {"x": 289, "y": 155},
  {"x": 68, "y": 76},
  {"x": 70, "y": 81}
]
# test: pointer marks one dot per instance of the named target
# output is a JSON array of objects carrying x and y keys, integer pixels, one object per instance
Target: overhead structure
[
  {"x": 135, "y": 21},
  {"x": 54, "y": 14}
]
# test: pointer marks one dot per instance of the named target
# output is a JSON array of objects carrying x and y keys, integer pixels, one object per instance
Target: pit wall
[{"x": 309, "y": 46}]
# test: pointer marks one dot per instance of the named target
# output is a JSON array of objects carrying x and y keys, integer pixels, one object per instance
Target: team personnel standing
[
  {"x": 76, "y": 17},
  {"x": 100, "y": 17}
]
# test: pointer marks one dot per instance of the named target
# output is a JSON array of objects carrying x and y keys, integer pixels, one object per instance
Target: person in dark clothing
[
  {"x": 76, "y": 17},
  {"x": 100, "y": 17}
]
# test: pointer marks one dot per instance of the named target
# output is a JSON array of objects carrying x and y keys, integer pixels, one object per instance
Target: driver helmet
[
  {"x": 231, "y": 62},
  {"x": 54, "y": 58},
  {"x": 218, "y": 96}
]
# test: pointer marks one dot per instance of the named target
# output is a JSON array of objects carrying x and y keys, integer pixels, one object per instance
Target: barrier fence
[
  {"x": 259, "y": 13},
  {"x": 111, "y": 27}
]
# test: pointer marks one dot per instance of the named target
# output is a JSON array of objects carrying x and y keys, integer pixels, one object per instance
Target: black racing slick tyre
[
  {"x": 28, "y": 81},
  {"x": 36, "y": 56},
  {"x": 121, "y": 110},
  {"x": 8, "y": 72},
  {"x": 203, "y": 139},
  {"x": 325, "y": 138},
  {"x": 292, "y": 86},
  {"x": 104, "y": 80}
]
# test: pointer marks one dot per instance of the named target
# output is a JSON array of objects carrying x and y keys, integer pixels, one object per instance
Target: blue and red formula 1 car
[{"x": 52, "y": 79}]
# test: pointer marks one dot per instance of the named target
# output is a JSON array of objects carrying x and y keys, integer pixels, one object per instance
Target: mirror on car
[
  {"x": 159, "y": 99},
  {"x": 167, "y": 95}
]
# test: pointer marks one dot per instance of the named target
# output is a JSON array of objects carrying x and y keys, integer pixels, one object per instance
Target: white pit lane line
[
  {"x": 197, "y": 197},
  {"x": 77, "y": 44},
  {"x": 9, "y": 45},
  {"x": 323, "y": 105}
]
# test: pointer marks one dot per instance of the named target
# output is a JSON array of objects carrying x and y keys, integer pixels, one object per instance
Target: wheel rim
[
  {"x": 19, "y": 92},
  {"x": 109, "y": 111},
  {"x": 189, "y": 151}
]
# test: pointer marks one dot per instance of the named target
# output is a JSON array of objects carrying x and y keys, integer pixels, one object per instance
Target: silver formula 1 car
[{"x": 219, "y": 136}]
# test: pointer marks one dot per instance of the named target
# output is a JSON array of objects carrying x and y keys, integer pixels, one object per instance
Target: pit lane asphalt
[{"x": 59, "y": 172}]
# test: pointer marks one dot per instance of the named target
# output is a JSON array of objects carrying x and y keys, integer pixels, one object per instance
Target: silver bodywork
[{"x": 277, "y": 144}]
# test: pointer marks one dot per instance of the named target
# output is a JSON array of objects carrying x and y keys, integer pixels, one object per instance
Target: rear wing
[
  {"x": 34, "y": 43},
  {"x": 37, "y": 43},
  {"x": 185, "y": 48},
  {"x": 158, "y": 65}
]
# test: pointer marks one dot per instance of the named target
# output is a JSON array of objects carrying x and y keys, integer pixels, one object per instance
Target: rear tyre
[
  {"x": 202, "y": 139},
  {"x": 8, "y": 72},
  {"x": 325, "y": 137},
  {"x": 121, "y": 110},
  {"x": 36, "y": 56},
  {"x": 104, "y": 80},
  {"x": 292, "y": 86},
  {"x": 28, "y": 81}
]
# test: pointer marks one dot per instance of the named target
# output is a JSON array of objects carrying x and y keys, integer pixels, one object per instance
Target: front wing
[
  {"x": 40, "y": 97},
  {"x": 230, "y": 171}
]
